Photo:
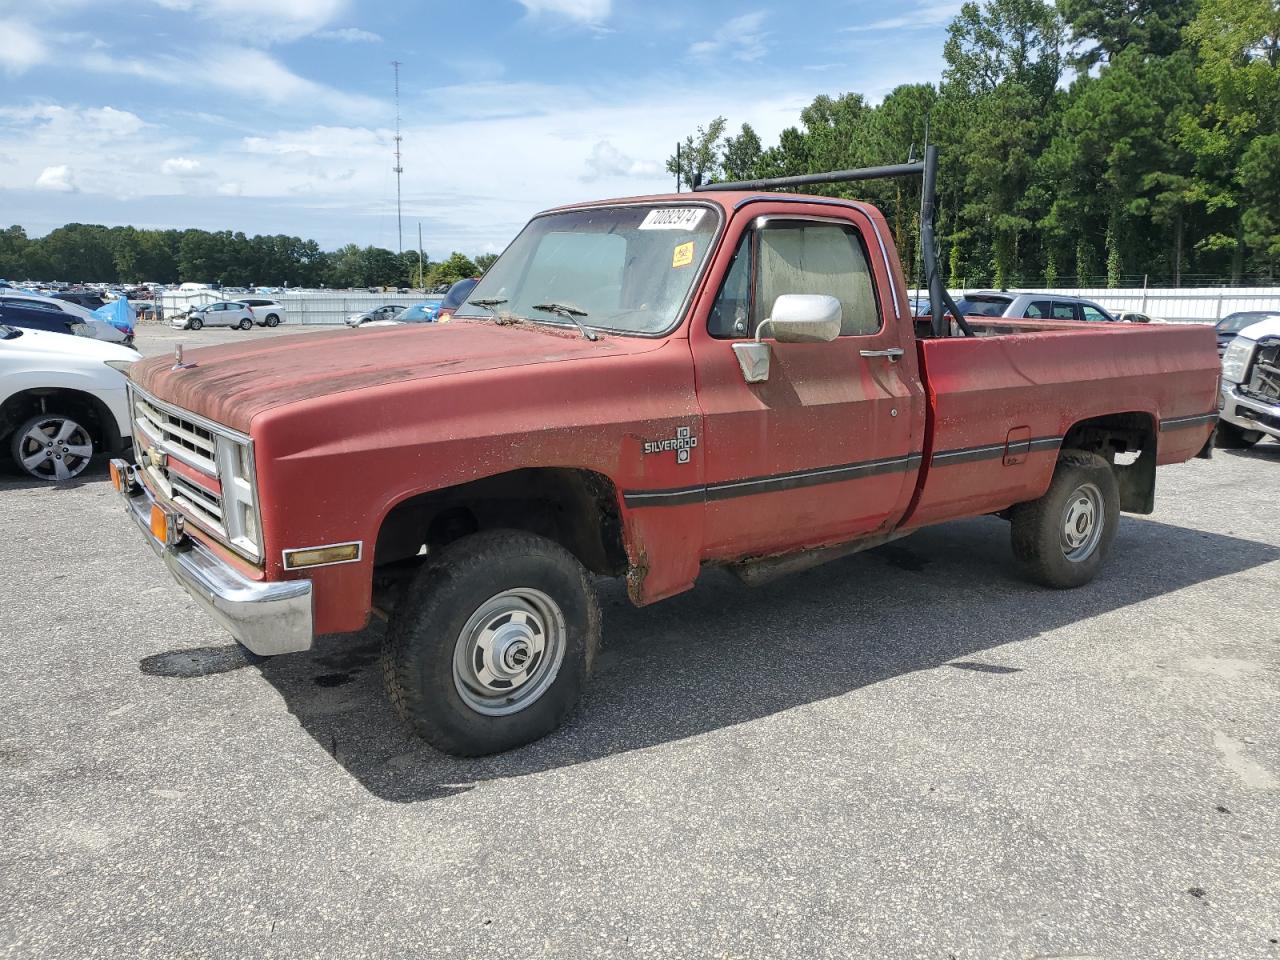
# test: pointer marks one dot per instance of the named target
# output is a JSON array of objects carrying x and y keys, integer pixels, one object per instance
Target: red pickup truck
[{"x": 637, "y": 388}]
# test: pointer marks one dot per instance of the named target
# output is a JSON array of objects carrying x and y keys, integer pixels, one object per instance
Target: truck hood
[{"x": 232, "y": 384}]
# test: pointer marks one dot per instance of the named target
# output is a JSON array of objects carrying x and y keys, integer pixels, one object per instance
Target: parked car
[
  {"x": 37, "y": 312},
  {"x": 62, "y": 400},
  {"x": 224, "y": 313},
  {"x": 456, "y": 296},
  {"x": 1250, "y": 405},
  {"x": 920, "y": 306},
  {"x": 266, "y": 312},
  {"x": 1133, "y": 316},
  {"x": 385, "y": 312},
  {"x": 1031, "y": 306},
  {"x": 425, "y": 312},
  {"x": 1233, "y": 323},
  {"x": 670, "y": 386}
]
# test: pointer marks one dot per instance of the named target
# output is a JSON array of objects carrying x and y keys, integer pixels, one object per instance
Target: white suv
[
  {"x": 266, "y": 313},
  {"x": 62, "y": 400},
  {"x": 224, "y": 313}
]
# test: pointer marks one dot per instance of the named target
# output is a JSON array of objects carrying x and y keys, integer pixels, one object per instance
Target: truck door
[{"x": 828, "y": 447}]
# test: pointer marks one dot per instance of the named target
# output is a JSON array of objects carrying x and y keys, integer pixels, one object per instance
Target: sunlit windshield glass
[
  {"x": 1238, "y": 321},
  {"x": 627, "y": 269}
]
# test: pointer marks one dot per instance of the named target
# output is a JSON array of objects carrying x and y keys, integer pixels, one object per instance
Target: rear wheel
[
  {"x": 273, "y": 320},
  {"x": 492, "y": 643},
  {"x": 195, "y": 323},
  {"x": 1231, "y": 437},
  {"x": 245, "y": 324},
  {"x": 1062, "y": 539},
  {"x": 52, "y": 446}
]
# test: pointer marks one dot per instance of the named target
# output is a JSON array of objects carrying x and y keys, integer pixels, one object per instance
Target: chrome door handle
[{"x": 892, "y": 353}]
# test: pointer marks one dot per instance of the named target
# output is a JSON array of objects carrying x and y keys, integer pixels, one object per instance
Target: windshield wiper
[
  {"x": 571, "y": 312},
  {"x": 489, "y": 303}
]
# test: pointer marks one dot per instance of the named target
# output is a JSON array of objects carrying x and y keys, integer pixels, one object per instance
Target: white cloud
[
  {"x": 582, "y": 11},
  {"x": 606, "y": 160},
  {"x": 230, "y": 189},
  {"x": 929, "y": 14},
  {"x": 74, "y": 123},
  {"x": 740, "y": 38},
  {"x": 265, "y": 20},
  {"x": 20, "y": 47},
  {"x": 56, "y": 178},
  {"x": 245, "y": 71},
  {"x": 181, "y": 167},
  {"x": 350, "y": 35}
]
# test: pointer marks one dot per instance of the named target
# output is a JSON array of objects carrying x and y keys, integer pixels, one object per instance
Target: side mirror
[{"x": 797, "y": 318}]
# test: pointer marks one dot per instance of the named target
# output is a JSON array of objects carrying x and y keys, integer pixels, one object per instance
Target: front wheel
[
  {"x": 1062, "y": 539},
  {"x": 492, "y": 643},
  {"x": 1231, "y": 437},
  {"x": 52, "y": 446},
  {"x": 195, "y": 323}
]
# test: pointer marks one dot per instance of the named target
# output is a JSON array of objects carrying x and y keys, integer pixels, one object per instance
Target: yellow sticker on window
[{"x": 682, "y": 256}]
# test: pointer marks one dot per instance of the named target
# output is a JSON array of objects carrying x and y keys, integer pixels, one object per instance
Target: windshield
[
  {"x": 1236, "y": 322},
  {"x": 984, "y": 307},
  {"x": 457, "y": 293},
  {"x": 627, "y": 269}
]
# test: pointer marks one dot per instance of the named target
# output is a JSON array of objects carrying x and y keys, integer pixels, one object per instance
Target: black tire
[
  {"x": 273, "y": 320},
  {"x": 245, "y": 324},
  {"x": 1231, "y": 437},
  {"x": 425, "y": 654},
  {"x": 1083, "y": 486},
  {"x": 195, "y": 323}
]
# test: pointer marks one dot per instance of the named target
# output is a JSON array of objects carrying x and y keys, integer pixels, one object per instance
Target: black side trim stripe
[
  {"x": 992, "y": 451},
  {"x": 1179, "y": 423},
  {"x": 773, "y": 483}
]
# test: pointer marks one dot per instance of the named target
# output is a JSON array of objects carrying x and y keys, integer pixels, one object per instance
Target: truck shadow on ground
[{"x": 727, "y": 654}]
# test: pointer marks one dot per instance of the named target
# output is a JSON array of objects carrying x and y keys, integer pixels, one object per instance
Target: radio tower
[{"x": 398, "y": 168}]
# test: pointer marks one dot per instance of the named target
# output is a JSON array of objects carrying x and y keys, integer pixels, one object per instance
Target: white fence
[
  {"x": 1175, "y": 305},
  {"x": 304, "y": 306}
]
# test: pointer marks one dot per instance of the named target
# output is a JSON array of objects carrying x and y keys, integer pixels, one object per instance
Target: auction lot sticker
[
  {"x": 673, "y": 218},
  {"x": 682, "y": 256}
]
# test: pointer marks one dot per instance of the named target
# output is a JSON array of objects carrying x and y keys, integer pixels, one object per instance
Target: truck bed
[{"x": 1000, "y": 403}]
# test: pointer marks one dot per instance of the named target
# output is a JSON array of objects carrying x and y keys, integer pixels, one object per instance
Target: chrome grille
[{"x": 163, "y": 434}]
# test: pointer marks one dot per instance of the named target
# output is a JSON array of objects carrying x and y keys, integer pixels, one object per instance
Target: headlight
[
  {"x": 239, "y": 511},
  {"x": 1236, "y": 360}
]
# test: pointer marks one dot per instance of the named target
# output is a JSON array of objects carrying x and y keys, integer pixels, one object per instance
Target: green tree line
[
  {"x": 82, "y": 252},
  {"x": 1087, "y": 142}
]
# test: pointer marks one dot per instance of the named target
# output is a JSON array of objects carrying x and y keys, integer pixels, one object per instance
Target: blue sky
[{"x": 275, "y": 116}]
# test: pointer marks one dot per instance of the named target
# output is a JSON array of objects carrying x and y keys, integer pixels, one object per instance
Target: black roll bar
[{"x": 928, "y": 172}]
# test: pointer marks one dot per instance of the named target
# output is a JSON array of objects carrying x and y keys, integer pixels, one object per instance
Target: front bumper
[
  {"x": 268, "y": 618},
  {"x": 1248, "y": 413}
]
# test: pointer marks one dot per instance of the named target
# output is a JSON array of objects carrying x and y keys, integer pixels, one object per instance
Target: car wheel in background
[
  {"x": 273, "y": 320},
  {"x": 51, "y": 446},
  {"x": 1231, "y": 437},
  {"x": 195, "y": 323},
  {"x": 1061, "y": 540},
  {"x": 245, "y": 324}
]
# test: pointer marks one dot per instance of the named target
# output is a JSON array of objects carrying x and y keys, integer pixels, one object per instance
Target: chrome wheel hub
[
  {"x": 1082, "y": 522},
  {"x": 509, "y": 652}
]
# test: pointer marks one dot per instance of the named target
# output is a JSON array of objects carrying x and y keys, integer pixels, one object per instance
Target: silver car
[
  {"x": 224, "y": 313},
  {"x": 1032, "y": 306}
]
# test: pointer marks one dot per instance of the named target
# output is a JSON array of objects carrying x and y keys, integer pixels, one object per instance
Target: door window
[
  {"x": 1064, "y": 311},
  {"x": 1093, "y": 314},
  {"x": 799, "y": 256},
  {"x": 1039, "y": 310}
]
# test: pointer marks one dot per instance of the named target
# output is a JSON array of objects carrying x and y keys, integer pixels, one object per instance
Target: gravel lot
[{"x": 907, "y": 753}]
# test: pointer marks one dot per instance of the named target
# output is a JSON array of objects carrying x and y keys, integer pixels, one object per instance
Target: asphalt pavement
[{"x": 906, "y": 753}]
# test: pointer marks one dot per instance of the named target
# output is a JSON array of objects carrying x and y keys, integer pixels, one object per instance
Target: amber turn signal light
[
  {"x": 159, "y": 523},
  {"x": 318, "y": 556},
  {"x": 116, "y": 480}
]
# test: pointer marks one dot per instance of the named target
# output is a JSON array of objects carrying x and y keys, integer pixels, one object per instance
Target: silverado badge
[{"x": 681, "y": 443}]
